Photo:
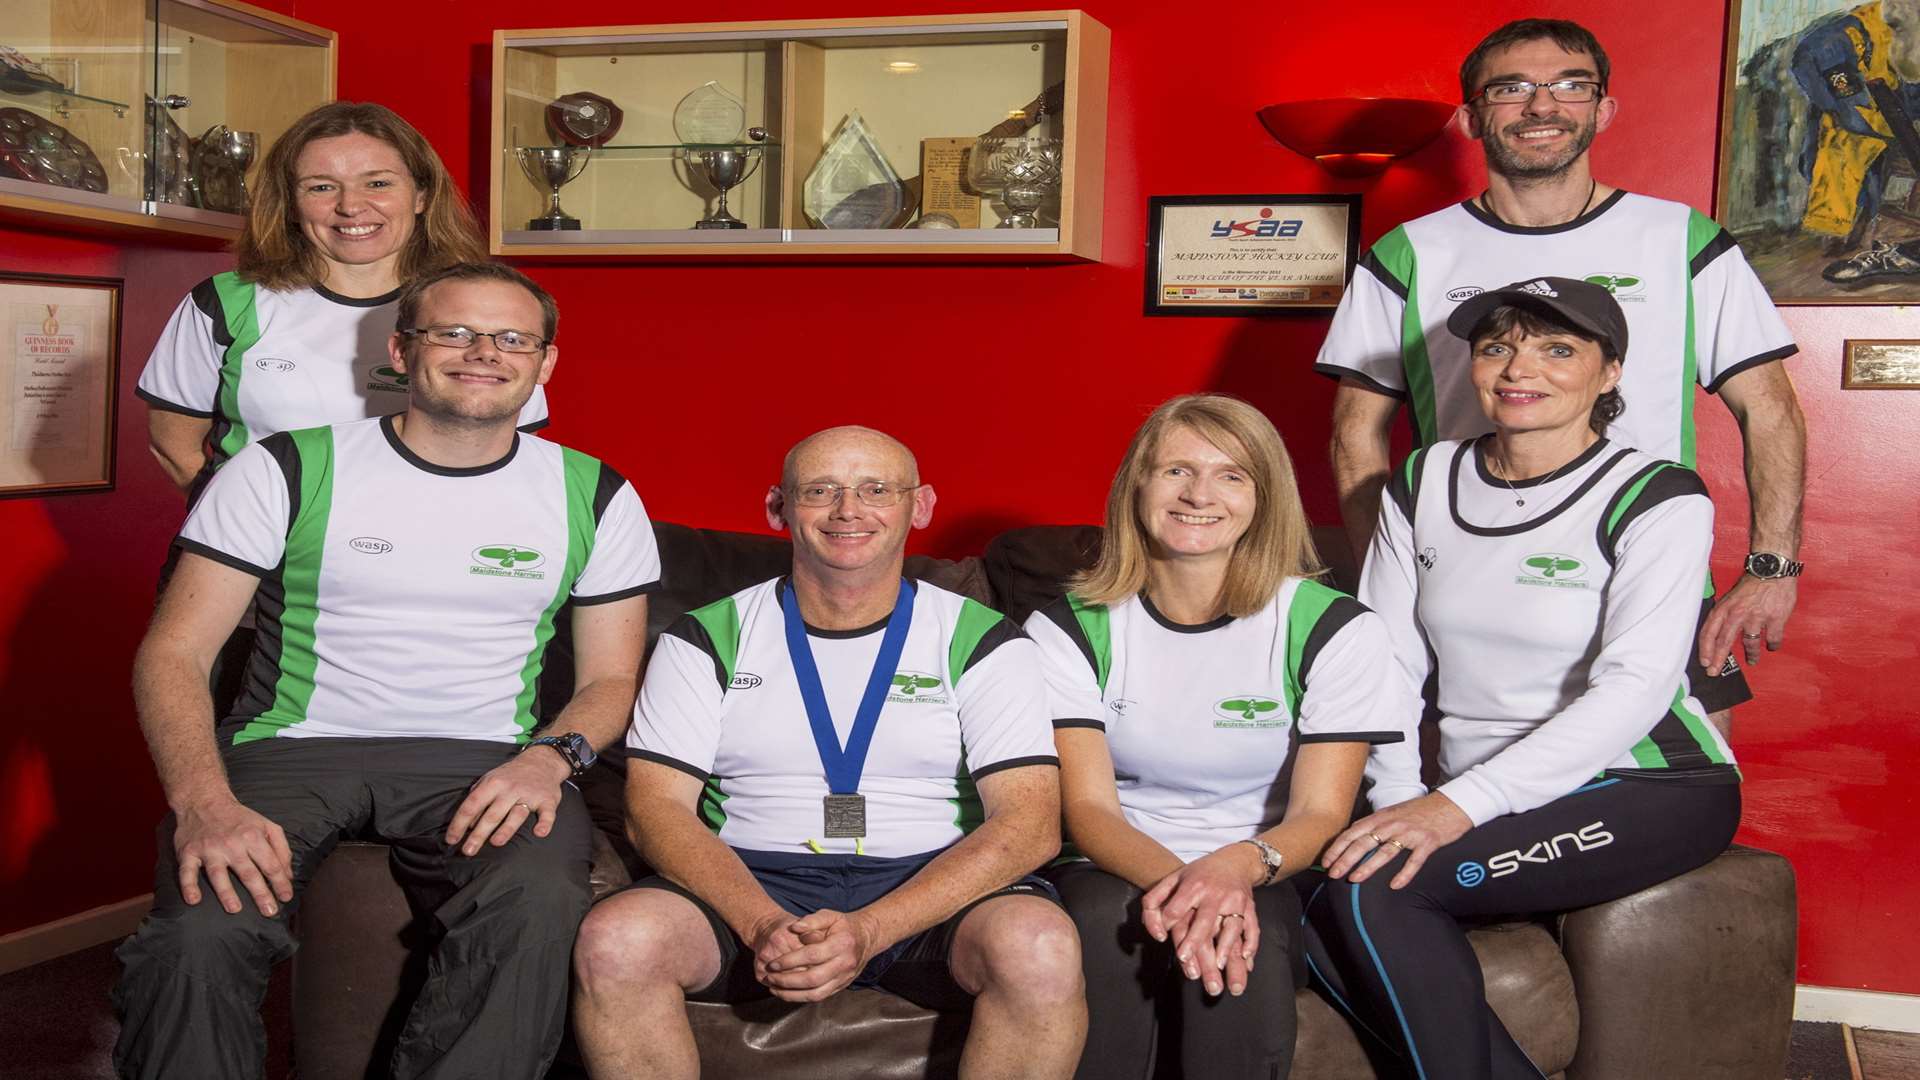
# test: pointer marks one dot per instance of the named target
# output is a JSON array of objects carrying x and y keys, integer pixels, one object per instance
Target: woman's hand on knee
[
  {"x": 1206, "y": 909},
  {"x": 1418, "y": 827}
]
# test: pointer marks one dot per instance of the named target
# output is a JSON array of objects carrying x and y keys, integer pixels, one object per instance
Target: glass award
[
  {"x": 709, "y": 116},
  {"x": 853, "y": 186}
]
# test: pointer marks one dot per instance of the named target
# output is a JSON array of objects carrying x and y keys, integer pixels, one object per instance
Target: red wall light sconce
[{"x": 1356, "y": 137}]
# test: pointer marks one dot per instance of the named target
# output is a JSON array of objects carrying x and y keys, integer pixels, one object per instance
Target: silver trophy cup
[
  {"x": 552, "y": 168},
  {"x": 239, "y": 148},
  {"x": 725, "y": 170}
]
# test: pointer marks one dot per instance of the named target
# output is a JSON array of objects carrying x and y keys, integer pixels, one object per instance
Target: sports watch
[
  {"x": 1270, "y": 857},
  {"x": 572, "y": 746},
  {"x": 1767, "y": 566}
]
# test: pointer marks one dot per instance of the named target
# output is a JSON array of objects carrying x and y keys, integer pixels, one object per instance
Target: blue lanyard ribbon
[{"x": 843, "y": 767}]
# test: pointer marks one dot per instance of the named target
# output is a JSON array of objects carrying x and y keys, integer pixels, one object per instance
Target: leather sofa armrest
[{"x": 1693, "y": 977}]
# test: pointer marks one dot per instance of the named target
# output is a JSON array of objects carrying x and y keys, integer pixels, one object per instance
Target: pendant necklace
[
  {"x": 1593, "y": 186},
  {"x": 1519, "y": 499}
]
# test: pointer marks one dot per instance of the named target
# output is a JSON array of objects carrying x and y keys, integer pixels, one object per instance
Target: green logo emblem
[
  {"x": 386, "y": 378},
  {"x": 916, "y": 687},
  {"x": 1248, "y": 712},
  {"x": 1551, "y": 568},
  {"x": 508, "y": 560},
  {"x": 1618, "y": 284}
]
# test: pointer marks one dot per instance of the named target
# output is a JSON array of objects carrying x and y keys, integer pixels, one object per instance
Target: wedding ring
[
  {"x": 1376, "y": 840},
  {"x": 1233, "y": 915},
  {"x": 1395, "y": 843}
]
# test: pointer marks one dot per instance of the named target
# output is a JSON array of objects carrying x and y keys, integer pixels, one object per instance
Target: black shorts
[
  {"x": 915, "y": 968},
  {"x": 1715, "y": 693}
]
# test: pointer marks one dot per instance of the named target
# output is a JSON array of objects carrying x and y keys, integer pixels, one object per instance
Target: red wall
[{"x": 1018, "y": 386}]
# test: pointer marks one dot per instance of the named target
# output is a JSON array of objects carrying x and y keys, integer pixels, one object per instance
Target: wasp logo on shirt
[
  {"x": 370, "y": 545},
  {"x": 916, "y": 688},
  {"x": 1625, "y": 288},
  {"x": 743, "y": 680},
  {"x": 1550, "y": 569},
  {"x": 1464, "y": 293},
  {"x": 1589, "y": 837},
  {"x": 387, "y": 380},
  {"x": 507, "y": 560},
  {"x": 1248, "y": 712},
  {"x": 273, "y": 364}
]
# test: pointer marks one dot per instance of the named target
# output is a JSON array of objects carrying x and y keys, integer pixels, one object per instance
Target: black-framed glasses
[
  {"x": 1565, "y": 91},
  {"x": 875, "y": 493},
  {"x": 463, "y": 337}
]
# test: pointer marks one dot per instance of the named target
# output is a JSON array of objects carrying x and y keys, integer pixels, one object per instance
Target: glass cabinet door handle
[{"x": 176, "y": 101}]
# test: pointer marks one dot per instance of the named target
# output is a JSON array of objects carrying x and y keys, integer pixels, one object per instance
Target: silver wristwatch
[{"x": 1270, "y": 857}]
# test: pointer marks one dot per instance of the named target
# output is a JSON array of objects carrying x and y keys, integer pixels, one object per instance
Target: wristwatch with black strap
[
  {"x": 1768, "y": 566},
  {"x": 572, "y": 746}
]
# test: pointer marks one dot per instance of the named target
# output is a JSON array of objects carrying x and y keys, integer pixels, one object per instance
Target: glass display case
[
  {"x": 971, "y": 136},
  {"x": 147, "y": 114}
]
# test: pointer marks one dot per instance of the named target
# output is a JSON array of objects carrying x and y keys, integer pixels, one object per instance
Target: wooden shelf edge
[{"x": 54, "y": 216}]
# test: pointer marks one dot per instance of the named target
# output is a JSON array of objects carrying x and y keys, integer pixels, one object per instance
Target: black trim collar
[
  {"x": 1181, "y": 628},
  {"x": 418, "y": 462},
  {"x": 1491, "y": 222},
  {"x": 357, "y": 301},
  {"x": 781, "y": 591},
  {"x": 1453, "y": 493},
  {"x": 1480, "y": 465}
]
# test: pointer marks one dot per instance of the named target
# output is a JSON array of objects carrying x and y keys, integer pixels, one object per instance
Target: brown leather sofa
[{"x": 1692, "y": 978}]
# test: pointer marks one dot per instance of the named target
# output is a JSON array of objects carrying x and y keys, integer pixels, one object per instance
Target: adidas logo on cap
[{"x": 1539, "y": 288}]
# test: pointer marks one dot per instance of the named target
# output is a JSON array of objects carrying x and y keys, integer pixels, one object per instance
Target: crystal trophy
[
  {"x": 1021, "y": 171},
  {"x": 853, "y": 186},
  {"x": 709, "y": 122}
]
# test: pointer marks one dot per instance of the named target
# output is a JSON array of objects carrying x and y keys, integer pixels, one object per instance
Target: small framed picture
[
  {"x": 1249, "y": 254},
  {"x": 59, "y": 370},
  {"x": 1878, "y": 364}
]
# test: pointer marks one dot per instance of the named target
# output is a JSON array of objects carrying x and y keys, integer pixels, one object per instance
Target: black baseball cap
[{"x": 1582, "y": 305}]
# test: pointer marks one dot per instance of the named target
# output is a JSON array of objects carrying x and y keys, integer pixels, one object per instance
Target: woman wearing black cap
[{"x": 1550, "y": 583}]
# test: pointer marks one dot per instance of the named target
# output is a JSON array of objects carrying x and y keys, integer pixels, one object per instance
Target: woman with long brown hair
[
  {"x": 350, "y": 205},
  {"x": 1213, "y": 706}
]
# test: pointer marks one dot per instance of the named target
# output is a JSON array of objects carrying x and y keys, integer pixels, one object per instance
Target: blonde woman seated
[{"x": 1213, "y": 707}]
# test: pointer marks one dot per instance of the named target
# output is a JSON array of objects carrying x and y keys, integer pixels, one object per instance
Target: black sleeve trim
[
  {"x": 206, "y": 297},
  {"x": 1080, "y": 722},
  {"x": 1000, "y": 633},
  {"x": 1342, "y": 611},
  {"x": 168, "y": 406},
  {"x": 1385, "y": 276},
  {"x": 1769, "y": 357},
  {"x": 534, "y": 425},
  {"x": 1335, "y": 371},
  {"x": 1014, "y": 763},
  {"x": 694, "y": 632},
  {"x": 1373, "y": 738},
  {"x": 1716, "y": 247},
  {"x": 1060, "y": 613},
  {"x": 281, "y": 445},
  {"x": 195, "y": 547},
  {"x": 1671, "y": 482},
  {"x": 610, "y": 484},
  {"x": 672, "y": 763},
  {"x": 623, "y": 594}
]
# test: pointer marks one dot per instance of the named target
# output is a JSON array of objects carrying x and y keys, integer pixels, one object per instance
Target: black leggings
[
  {"x": 1398, "y": 961},
  {"x": 1135, "y": 987}
]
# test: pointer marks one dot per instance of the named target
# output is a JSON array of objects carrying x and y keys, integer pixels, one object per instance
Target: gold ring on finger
[
  {"x": 1376, "y": 840},
  {"x": 1395, "y": 843},
  {"x": 1233, "y": 915}
]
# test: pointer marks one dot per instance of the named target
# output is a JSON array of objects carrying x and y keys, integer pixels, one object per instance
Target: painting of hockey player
[{"x": 1820, "y": 155}]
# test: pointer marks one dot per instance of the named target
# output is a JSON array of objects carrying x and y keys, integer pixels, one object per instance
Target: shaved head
[{"x": 823, "y": 444}]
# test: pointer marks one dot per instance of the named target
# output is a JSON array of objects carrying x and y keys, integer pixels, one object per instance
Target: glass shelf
[
  {"x": 665, "y": 150},
  {"x": 63, "y": 102}
]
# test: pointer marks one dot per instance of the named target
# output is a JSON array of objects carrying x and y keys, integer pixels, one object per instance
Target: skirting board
[
  {"x": 25, "y": 948},
  {"x": 1857, "y": 1008}
]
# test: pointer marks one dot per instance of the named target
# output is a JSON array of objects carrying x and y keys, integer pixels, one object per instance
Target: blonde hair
[
  {"x": 1278, "y": 543},
  {"x": 272, "y": 251}
]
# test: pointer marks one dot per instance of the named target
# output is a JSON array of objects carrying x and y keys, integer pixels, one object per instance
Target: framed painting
[{"x": 1819, "y": 174}]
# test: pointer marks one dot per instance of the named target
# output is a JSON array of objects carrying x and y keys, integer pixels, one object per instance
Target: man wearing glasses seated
[
  {"x": 409, "y": 569},
  {"x": 844, "y": 778},
  {"x": 1535, "y": 95}
]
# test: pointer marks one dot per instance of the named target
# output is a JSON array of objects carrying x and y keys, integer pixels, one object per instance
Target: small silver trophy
[
  {"x": 724, "y": 169},
  {"x": 1021, "y": 171},
  {"x": 552, "y": 168},
  {"x": 709, "y": 122}
]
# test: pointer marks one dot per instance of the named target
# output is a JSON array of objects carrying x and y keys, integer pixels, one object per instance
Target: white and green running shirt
[
  {"x": 256, "y": 361},
  {"x": 1203, "y": 721},
  {"x": 721, "y": 703},
  {"x": 1695, "y": 311},
  {"x": 402, "y": 598},
  {"x": 1559, "y": 629}
]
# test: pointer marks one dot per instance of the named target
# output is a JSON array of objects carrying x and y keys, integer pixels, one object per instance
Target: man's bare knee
[
  {"x": 645, "y": 939},
  {"x": 1020, "y": 947}
]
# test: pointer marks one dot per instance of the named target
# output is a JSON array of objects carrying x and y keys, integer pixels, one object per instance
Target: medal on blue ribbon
[{"x": 845, "y": 809}]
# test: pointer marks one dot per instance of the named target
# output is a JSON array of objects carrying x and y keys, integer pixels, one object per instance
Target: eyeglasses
[
  {"x": 876, "y": 493},
  {"x": 1566, "y": 91},
  {"x": 463, "y": 337}
]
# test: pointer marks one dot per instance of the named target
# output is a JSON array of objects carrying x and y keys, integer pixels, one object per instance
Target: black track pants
[
  {"x": 502, "y": 922},
  {"x": 1136, "y": 990},
  {"x": 1398, "y": 959}
]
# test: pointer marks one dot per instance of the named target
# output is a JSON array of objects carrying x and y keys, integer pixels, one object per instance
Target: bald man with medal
[{"x": 844, "y": 777}]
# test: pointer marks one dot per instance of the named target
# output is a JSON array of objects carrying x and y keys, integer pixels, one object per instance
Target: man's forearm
[
  {"x": 1775, "y": 434},
  {"x": 176, "y": 715},
  {"x": 1362, "y": 459},
  {"x": 600, "y": 711},
  {"x": 675, "y": 843},
  {"x": 1006, "y": 847}
]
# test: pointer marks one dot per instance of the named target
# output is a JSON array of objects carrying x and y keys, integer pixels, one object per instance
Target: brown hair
[
  {"x": 271, "y": 251},
  {"x": 1539, "y": 322},
  {"x": 1570, "y": 36},
  {"x": 484, "y": 270},
  {"x": 1278, "y": 544}
]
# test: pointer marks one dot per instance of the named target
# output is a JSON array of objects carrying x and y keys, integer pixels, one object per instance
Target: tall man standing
[
  {"x": 844, "y": 777},
  {"x": 1535, "y": 95},
  {"x": 408, "y": 569}
]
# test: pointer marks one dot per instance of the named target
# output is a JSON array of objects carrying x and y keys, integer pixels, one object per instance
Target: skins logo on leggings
[{"x": 1586, "y": 838}]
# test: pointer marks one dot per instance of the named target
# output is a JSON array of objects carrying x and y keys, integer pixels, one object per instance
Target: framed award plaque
[
  {"x": 59, "y": 367},
  {"x": 1249, "y": 254}
]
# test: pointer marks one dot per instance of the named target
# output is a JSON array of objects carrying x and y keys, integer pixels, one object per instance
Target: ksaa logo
[
  {"x": 1267, "y": 227},
  {"x": 1618, "y": 284},
  {"x": 1464, "y": 293},
  {"x": 1470, "y": 874},
  {"x": 1554, "y": 566},
  {"x": 272, "y": 364},
  {"x": 744, "y": 680},
  {"x": 1247, "y": 711},
  {"x": 507, "y": 557},
  {"x": 370, "y": 545}
]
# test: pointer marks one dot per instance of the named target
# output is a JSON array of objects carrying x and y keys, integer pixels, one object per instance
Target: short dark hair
[
  {"x": 410, "y": 297},
  {"x": 1539, "y": 322},
  {"x": 1565, "y": 33}
]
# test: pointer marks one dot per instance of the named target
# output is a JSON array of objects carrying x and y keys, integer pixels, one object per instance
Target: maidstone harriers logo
[
  {"x": 508, "y": 560},
  {"x": 1248, "y": 712},
  {"x": 1553, "y": 570},
  {"x": 916, "y": 688}
]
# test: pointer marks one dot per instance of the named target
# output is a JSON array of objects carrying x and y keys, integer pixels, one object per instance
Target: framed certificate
[
  {"x": 1249, "y": 254},
  {"x": 59, "y": 369},
  {"x": 1881, "y": 365}
]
